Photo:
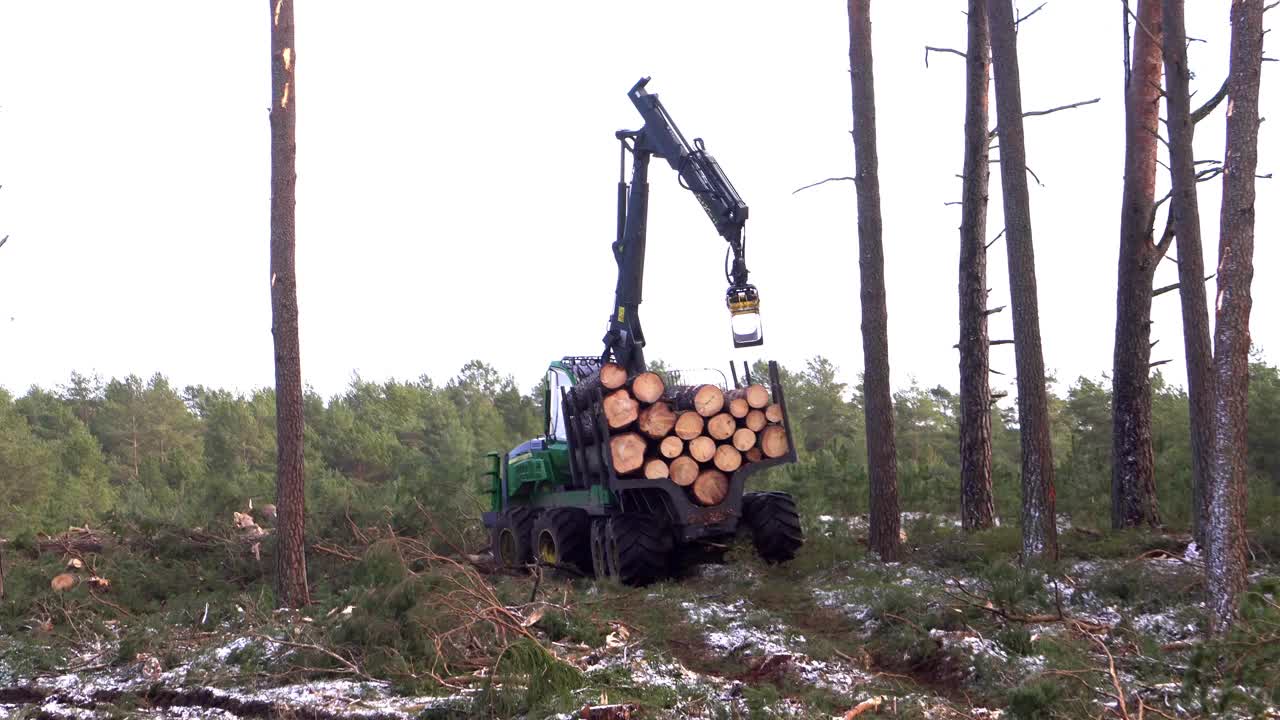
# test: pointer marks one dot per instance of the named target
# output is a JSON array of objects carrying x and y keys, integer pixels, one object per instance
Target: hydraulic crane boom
[{"x": 700, "y": 174}]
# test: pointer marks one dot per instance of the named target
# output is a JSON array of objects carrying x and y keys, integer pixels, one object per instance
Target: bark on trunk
[
  {"x": 1133, "y": 487},
  {"x": 1039, "y": 529},
  {"x": 1185, "y": 207},
  {"x": 291, "y": 558},
  {"x": 1226, "y": 562},
  {"x": 977, "y": 508},
  {"x": 882, "y": 454}
]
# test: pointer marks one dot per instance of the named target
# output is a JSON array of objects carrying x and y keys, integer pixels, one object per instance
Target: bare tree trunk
[
  {"x": 1185, "y": 208},
  {"x": 977, "y": 509},
  {"x": 882, "y": 456},
  {"x": 291, "y": 560},
  {"x": 1039, "y": 524},
  {"x": 1226, "y": 533},
  {"x": 1133, "y": 488}
]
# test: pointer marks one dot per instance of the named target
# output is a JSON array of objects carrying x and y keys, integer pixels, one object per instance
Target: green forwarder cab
[{"x": 556, "y": 500}]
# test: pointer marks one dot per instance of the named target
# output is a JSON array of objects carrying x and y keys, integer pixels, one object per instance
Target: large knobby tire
[
  {"x": 562, "y": 539},
  {"x": 599, "y": 554},
  {"x": 636, "y": 547},
  {"x": 512, "y": 538},
  {"x": 774, "y": 524}
]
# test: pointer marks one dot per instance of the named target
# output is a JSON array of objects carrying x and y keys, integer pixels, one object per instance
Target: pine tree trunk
[
  {"x": 1133, "y": 487},
  {"x": 1039, "y": 527},
  {"x": 1226, "y": 532},
  {"x": 882, "y": 459},
  {"x": 291, "y": 560},
  {"x": 1185, "y": 206},
  {"x": 977, "y": 509}
]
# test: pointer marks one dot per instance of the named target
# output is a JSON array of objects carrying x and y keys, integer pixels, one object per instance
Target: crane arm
[{"x": 700, "y": 174}]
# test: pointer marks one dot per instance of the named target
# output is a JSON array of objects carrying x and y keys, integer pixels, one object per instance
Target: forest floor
[{"x": 402, "y": 628}]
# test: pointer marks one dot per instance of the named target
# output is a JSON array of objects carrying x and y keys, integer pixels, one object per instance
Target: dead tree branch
[
  {"x": 1212, "y": 103},
  {"x": 1170, "y": 288},
  {"x": 1039, "y": 7},
  {"x": 820, "y": 182},
  {"x": 930, "y": 48},
  {"x": 994, "y": 239},
  {"x": 993, "y": 311},
  {"x": 1035, "y": 113}
]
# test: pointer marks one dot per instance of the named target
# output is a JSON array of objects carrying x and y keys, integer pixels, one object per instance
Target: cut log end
[
  {"x": 727, "y": 458},
  {"x": 620, "y": 409},
  {"x": 739, "y": 408},
  {"x": 656, "y": 469},
  {"x": 721, "y": 427},
  {"x": 706, "y": 400},
  {"x": 757, "y": 396},
  {"x": 613, "y": 376},
  {"x": 657, "y": 420},
  {"x": 773, "y": 413},
  {"x": 754, "y": 454},
  {"x": 671, "y": 447},
  {"x": 755, "y": 420},
  {"x": 702, "y": 448},
  {"x": 744, "y": 439},
  {"x": 689, "y": 425},
  {"x": 627, "y": 451},
  {"x": 711, "y": 487},
  {"x": 773, "y": 441},
  {"x": 684, "y": 471},
  {"x": 647, "y": 387}
]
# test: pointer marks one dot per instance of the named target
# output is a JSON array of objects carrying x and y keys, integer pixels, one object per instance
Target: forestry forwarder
[{"x": 561, "y": 499}]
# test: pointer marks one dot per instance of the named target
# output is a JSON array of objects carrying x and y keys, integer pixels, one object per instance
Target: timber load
[{"x": 692, "y": 436}]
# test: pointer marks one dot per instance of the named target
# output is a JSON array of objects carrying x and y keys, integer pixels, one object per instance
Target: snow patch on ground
[{"x": 739, "y": 634}]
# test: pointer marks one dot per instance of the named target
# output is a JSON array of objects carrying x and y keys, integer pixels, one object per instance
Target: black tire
[
  {"x": 637, "y": 547},
  {"x": 562, "y": 539},
  {"x": 599, "y": 555},
  {"x": 775, "y": 525},
  {"x": 512, "y": 538}
]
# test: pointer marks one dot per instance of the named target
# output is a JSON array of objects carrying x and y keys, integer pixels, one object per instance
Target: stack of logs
[{"x": 693, "y": 435}]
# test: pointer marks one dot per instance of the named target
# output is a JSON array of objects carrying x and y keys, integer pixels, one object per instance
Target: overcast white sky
[{"x": 457, "y": 173}]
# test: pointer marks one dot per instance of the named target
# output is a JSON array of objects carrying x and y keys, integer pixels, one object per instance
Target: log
[
  {"x": 702, "y": 448},
  {"x": 754, "y": 454},
  {"x": 721, "y": 427},
  {"x": 773, "y": 441},
  {"x": 689, "y": 425},
  {"x": 727, "y": 458},
  {"x": 657, "y": 420},
  {"x": 756, "y": 396},
  {"x": 671, "y": 447},
  {"x": 773, "y": 413},
  {"x": 627, "y": 450},
  {"x": 755, "y": 421},
  {"x": 612, "y": 376},
  {"x": 656, "y": 469},
  {"x": 738, "y": 407},
  {"x": 684, "y": 471},
  {"x": 647, "y": 387},
  {"x": 620, "y": 409},
  {"x": 744, "y": 439},
  {"x": 710, "y": 487},
  {"x": 706, "y": 400}
]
